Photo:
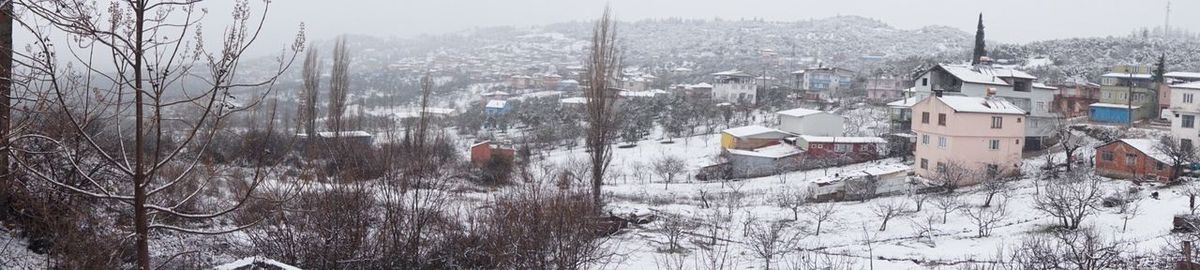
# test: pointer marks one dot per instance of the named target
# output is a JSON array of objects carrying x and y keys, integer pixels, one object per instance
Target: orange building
[
  {"x": 483, "y": 152},
  {"x": 1133, "y": 159}
]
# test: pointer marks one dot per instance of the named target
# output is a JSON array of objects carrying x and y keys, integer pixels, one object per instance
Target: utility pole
[{"x": 1129, "y": 99}]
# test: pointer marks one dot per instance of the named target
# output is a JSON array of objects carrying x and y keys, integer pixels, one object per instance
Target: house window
[
  {"x": 924, "y": 164},
  {"x": 997, "y": 122},
  {"x": 924, "y": 117},
  {"x": 1106, "y": 156},
  {"x": 924, "y": 139},
  {"x": 1189, "y": 121},
  {"x": 1186, "y": 144},
  {"x": 993, "y": 170},
  {"x": 924, "y": 81},
  {"x": 841, "y": 148},
  {"x": 941, "y": 142},
  {"x": 1130, "y": 160},
  {"x": 1158, "y": 166},
  {"x": 1188, "y": 98},
  {"x": 942, "y": 119},
  {"x": 994, "y": 145},
  {"x": 1041, "y": 106},
  {"x": 941, "y": 167}
]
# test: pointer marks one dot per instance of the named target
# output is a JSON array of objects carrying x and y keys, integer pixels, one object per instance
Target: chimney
[
  {"x": 937, "y": 93},
  {"x": 991, "y": 92}
]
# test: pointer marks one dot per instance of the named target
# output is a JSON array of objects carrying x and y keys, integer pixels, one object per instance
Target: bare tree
[
  {"x": 1129, "y": 206},
  {"x": 1071, "y": 249},
  {"x": 308, "y": 97},
  {"x": 667, "y": 167},
  {"x": 918, "y": 198},
  {"x": 1070, "y": 142},
  {"x": 153, "y": 51},
  {"x": 602, "y": 68},
  {"x": 771, "y": 240},
  {"x": 821, "y": 213},
  {"x": 947, "y": 203},
  {"x": 985, "y": 218},
  {"x": 792, "y": 199},
  {"x": 887, "y": 209},
  {"x": 925, "y": 229},
  {"x": 954, "y": 175},
  {"x": 1177, "y": 153},
  {"x": 673, "y": 228},
  {"x": 1070, "y": 199},
  {"x": 339, "y": 86},
  {"x": 6, "y": 88},
  {"x": 995, "y": 183}
]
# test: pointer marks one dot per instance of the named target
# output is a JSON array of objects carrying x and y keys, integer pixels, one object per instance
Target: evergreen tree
[
  {"x": 1161, "y": 69},
  {"x": 980, "y": 50}
]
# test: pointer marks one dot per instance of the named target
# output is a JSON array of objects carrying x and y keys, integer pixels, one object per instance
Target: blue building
[
  {"x": 496, "y": 107},
  {"x": 1109, "y": 113}
]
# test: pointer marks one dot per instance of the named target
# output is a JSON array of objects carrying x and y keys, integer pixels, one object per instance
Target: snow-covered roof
[
  {"x": 496, "y": 93},
  {"x": 1038, "y": 85},
  {"x": 751, "y": 131},
  {"x": 1191, "y": 85},
  {"x": 822, "y": 139},
  {"x": 1120, "y": 75},
  {"x": 773, "y": 151},
  {"x": 1181, "y": 74},
  {"x": 343, "y": 134},
  {"x": 497, "y": 104},
  {"x": 980, "y": 105},
  {"x": 574, "y": 100},
  {"x": 1146, "y": 146},
  {"x": 701, "y": 85},
  {"x": 904, "y": 103},
  {"x": 799, "y": 112},
  {"x": 648, "y": 93},
  {"x": 733, "y": 73},
  {"x": 1113, "y": 105},
  {"x": 985, "y": 75},
  {"x": 254, "y": 263}
]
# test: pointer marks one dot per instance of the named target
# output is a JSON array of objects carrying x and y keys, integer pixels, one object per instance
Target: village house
[
  {"x": 1074, "y": 97},
  {"x": 520, "y": 81},
  {"x": 811, "y": 122},
  {"x": 1126, "y": 94},
  {"x": 762, "y": 161},
  {"x": 1015, "y": 86},
  {"x": 483, "y": 152},
  {"x": 823, "y": 83},
  {"x": 1135, "y": 159},
  {"x": 751, "y": 137},
  {"x": 1185, "y": 109},
  {"x": 973, "y": 133},
  {"x": 736, "y": 87},
  {"x": 841, "y": 149},
  {"x": 882, "y": 89},
  {"x": 496, "y": 107},
  {"x": 1165, "y": 88}
]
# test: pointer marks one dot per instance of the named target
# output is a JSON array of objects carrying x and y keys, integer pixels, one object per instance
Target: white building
[
  {"x": 811, "y": 122},
  {"x": 1015, "y": 86},
  {"x": 735, "y": 86},
  {"x": 1185, "y": 108}
]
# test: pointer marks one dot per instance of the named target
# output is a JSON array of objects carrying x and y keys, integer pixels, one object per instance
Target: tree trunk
[
  {"x": 140, "y": 219},
  {"x": 6, "y": 57}
]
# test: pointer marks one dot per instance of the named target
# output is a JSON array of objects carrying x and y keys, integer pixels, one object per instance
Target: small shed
[
  {"x": 751, "y": 137},
  {"x": 1134, "y": 159},
  {"x": 762, "y": 161},
  {"x": 496, "y": 107},
  {"x": 811, "y": 122},
  {"x": 1110, "y": 113}
]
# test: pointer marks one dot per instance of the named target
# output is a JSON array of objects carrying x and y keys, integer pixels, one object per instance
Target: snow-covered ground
[{"x": 637, "y": 190}]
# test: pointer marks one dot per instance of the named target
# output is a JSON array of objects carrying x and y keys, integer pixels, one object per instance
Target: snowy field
[{"x": 853, "y": 235}]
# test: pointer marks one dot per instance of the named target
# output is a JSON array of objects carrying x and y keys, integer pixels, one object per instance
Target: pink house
[{"x": 980, "y": 134}]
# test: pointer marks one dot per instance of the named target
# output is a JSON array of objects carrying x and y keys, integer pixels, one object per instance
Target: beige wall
[{"x": 967, "y": 139}]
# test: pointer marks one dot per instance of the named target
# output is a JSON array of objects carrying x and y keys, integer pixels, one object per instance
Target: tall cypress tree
[
  {"x": 980, "y": 50},
  {"x": 1160, "y": 70}
]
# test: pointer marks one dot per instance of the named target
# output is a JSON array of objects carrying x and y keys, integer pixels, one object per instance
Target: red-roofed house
[{"x": 483, "y": 152}]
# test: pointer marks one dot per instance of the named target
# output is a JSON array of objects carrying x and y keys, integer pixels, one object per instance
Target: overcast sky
[{"x": 1007, "y": 20}]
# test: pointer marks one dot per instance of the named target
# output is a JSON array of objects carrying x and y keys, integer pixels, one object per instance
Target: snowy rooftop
[
  {"x": 904, "y": 103},
  {"x": 344, "y": 134},
  {"x": 1191, "y": 85},
  {"x": 980, "y": 105},
  {"x": 496, "y": 93},
  {"x": 1180, "y": 74},
  {"x": 774, "y": 151},
  {"x": 1039, "y": 85},
  {"x": 497, "y": 104},
  {"x": 1120, "y": 75},
  {"x": 985, "y": 75},
  {"x": 822, "y": 139},
  {"x": 1147, "y": 146},
  {"x": 1113, "y": 105},
  {"x": 700, "y": 85},
  {"x": 257, "y": 262},
  {"x": 750, "y": 131},
  {"x": 574, "y": 100},
  {"x": 799, "y": 112},
  {"x": 733, "y": 73}
]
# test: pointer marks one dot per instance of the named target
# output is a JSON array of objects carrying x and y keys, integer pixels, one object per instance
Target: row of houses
[{"x": 803, "y": 139}]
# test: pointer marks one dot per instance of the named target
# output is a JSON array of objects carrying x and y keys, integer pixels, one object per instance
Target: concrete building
[
  {"x": 823, "y": 83},
  {"x": 974, "y": 133},
  {"x": 1125, "y": 88},
  {"x": 884, "y": 89},
  {"x": 811, "y": 122},
  {"x": 1185, "y": 110},
  {"x": 751, "y": 137},
  {"x": 1014, "y": 86},
  {"x": 1074, "y": 97},
  {"x": 736, "y": 87}
]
